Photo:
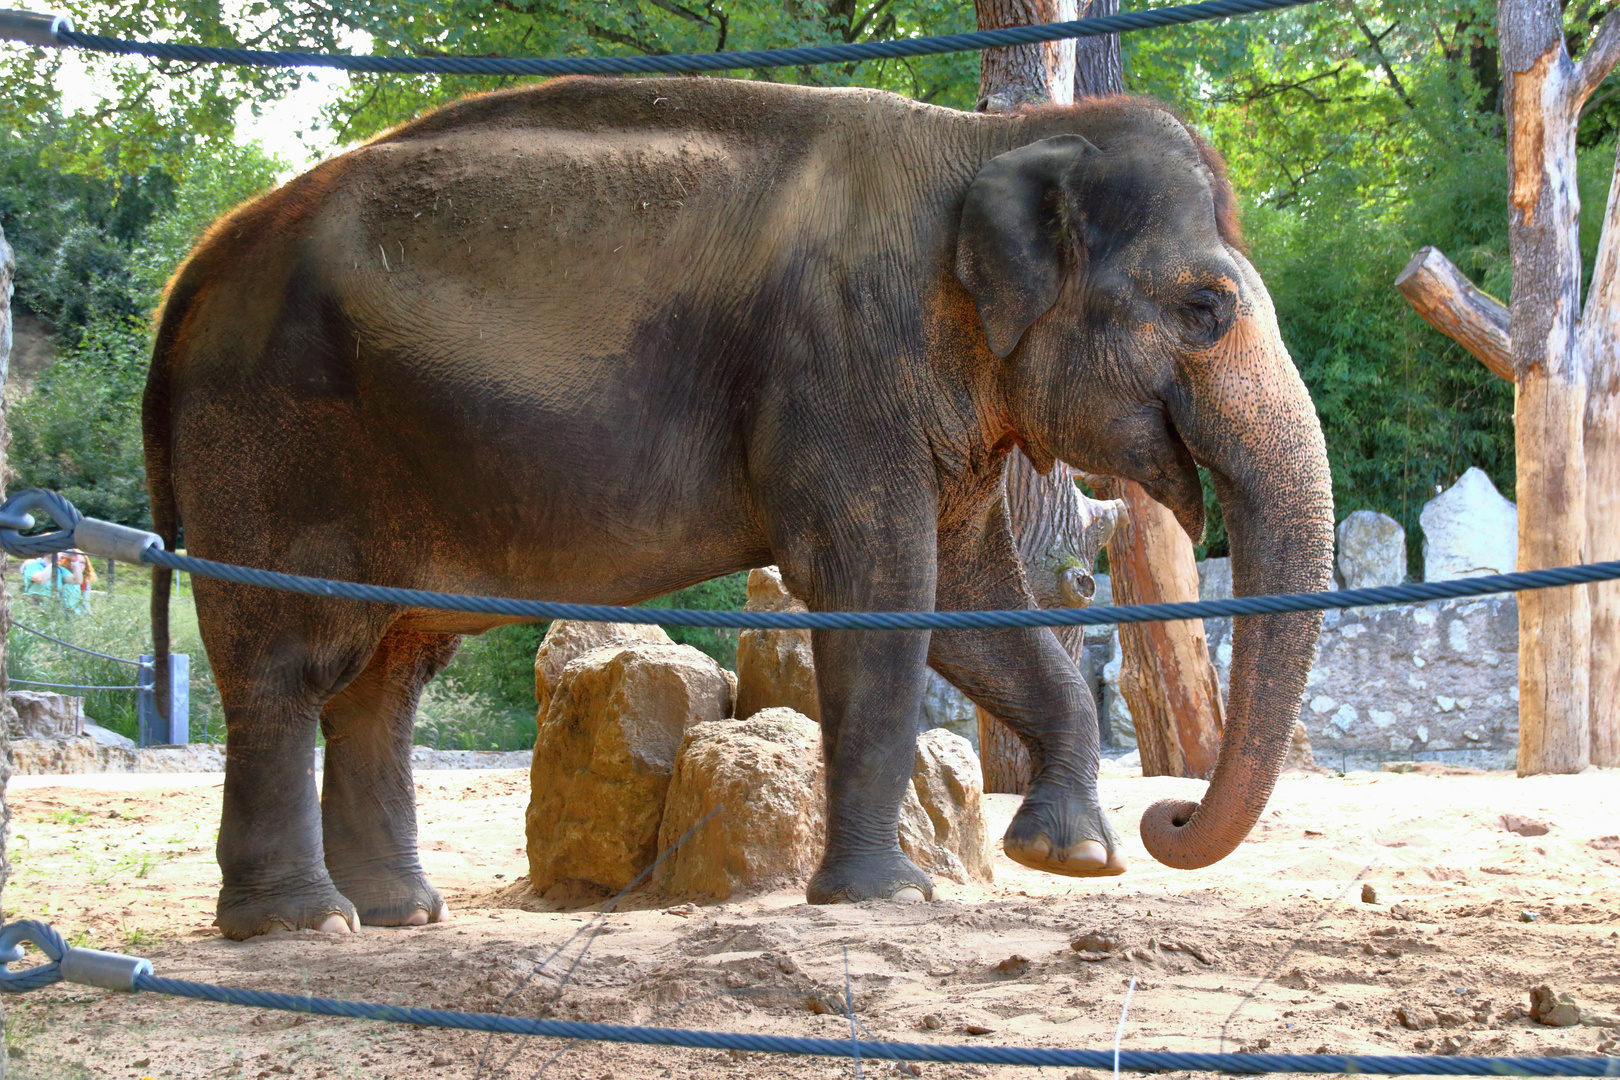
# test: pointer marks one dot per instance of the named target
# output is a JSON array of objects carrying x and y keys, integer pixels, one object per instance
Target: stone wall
[
  {"x": 1439, "y": 681},
  {"x": 1435, "y": 681}
]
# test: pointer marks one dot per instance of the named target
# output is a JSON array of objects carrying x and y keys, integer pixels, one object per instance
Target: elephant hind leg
[{"x": 368, "y": 798}]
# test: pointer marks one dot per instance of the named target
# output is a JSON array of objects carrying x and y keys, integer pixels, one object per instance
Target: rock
[
  {"x": 1116, "y": 713},
  {"x": 603, "y": 757},
  {"x": 944, "y": 706},
  {"x": 1469, "y": 529},
  {"x": 775, "y": 668},
  {"x": 1372, "y": 551},
  {"x": 1369, "y": 895},
  {"x": 1416, "y": 1017},
  {"x": 45, "y": 757},
  {"x": 1094, "y": 943},
  {"x": 1524, "y": 826},
  {"x": 1553, "y": 1009},
  {"x": 106, "y": 737},
  {"x": 942, "y": 824},
  {"x": 765, "y": 773},
  {"x": 1215, "y": 579},
  {"x": 566, "y": 641},
  {"x": 1013, "y": 966},
  {"x": 1300, "y": 758},
  {"x": 37, "y": 715}
]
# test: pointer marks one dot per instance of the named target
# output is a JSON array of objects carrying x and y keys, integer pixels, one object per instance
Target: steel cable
[{"x": 654, "y": 65}]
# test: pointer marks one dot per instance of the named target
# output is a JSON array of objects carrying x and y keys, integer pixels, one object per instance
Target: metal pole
[{"x": 6, "y": 266}]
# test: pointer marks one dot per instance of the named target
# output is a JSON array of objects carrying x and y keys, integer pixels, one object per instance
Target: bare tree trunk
[
  {"x": 1098, "y": 69},
  {"x": 1025, "y": 74},
  {"x": 1567, "y": 378},
  {"x": 7, "y": 264},
  {"x": 1545, "y": 91},
  {"x": 1165, "y": 673},
  {"x": 1600, "y": 348}
]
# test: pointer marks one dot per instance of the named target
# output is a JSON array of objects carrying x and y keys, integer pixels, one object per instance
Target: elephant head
[{"x": 1135, "y": 339}]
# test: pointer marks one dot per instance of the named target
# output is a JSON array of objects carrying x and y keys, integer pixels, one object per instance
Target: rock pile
[
  {"x": 637, "y": 745},
  {"x": 615, "y": 717}
]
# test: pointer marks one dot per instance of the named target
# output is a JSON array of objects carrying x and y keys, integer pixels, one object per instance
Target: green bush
[{"x": 728, "y": 593}]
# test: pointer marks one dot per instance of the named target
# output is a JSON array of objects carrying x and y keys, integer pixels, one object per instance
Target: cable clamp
[
  {"x": 111, "y": 541},
  {"x": 34, "y": 28},
  {"x": 91, "y": 535},
  {"x": 110, "y": 971}
]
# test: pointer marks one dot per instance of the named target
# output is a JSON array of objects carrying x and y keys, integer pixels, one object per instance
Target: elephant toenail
[
  {"x": 419, "y": 917},
  {"x": 1089, "y": 853},
  {"x": 335, "y": 924},
  {"x": 909, "y": 894},
  {"x": 443, "y": 914}
]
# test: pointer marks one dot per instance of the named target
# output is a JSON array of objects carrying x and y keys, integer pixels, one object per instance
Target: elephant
[{"x": 597, "y": 340}]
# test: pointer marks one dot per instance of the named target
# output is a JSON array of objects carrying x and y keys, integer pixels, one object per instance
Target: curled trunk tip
[{"x": 1166, "y": 835}]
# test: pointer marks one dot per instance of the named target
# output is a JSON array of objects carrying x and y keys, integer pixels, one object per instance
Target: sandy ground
[{"x": 1272, "y": 948}]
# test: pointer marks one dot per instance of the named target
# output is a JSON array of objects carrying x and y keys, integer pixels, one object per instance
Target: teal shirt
[{"x": 67, "y": 588}]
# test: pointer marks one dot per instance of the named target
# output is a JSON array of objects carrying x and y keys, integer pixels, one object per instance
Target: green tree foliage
[{"x": 93, "y": 255}]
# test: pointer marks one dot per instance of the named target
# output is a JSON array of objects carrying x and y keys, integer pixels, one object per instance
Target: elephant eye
[{"x": 1205, "y": 315}]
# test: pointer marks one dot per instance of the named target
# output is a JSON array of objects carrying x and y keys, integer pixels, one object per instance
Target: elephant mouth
[{"x": 1175, "y": 483}]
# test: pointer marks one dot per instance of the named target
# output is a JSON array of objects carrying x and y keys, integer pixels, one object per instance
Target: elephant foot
[
  {"x": 405, "y": 900},
  {"x": 889, "y": 876},
  {"x": 242, "y": 913},
  {"x": 1064, "y": 836}
]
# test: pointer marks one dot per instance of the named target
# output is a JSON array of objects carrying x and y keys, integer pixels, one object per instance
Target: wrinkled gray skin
[{"x": 597, "y": 340}]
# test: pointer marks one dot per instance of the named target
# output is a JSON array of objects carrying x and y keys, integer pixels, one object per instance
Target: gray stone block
[{"x": 1372, "y": 551}]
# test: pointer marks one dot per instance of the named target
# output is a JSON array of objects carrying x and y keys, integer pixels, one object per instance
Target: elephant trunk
[{"x": 1276, "y": 495}]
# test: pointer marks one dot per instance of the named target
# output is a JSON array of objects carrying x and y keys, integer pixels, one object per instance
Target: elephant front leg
[
  {"x": 1027, "y": 679},
  {"x": 871, "y": 687},
  {"x": 368, "y": 798}
]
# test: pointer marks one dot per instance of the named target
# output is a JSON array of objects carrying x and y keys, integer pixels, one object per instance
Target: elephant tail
[{"x": 156, "y": 434}]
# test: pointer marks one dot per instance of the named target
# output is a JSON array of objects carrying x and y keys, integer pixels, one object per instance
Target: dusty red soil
[{"x": 1273, "y": 947}]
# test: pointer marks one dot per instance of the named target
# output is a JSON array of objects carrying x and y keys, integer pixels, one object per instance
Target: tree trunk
[
  {"x": 1567, "y": 382},
  {"x": 1600, "y": 347},
  {"x": 1544, "y": 94},
  {"x": 1025, "y": 74},
  {"x": 1098, "y": 70},
  {"x": 1165, "y": 673},
  {"x": 7, "y": 264}
]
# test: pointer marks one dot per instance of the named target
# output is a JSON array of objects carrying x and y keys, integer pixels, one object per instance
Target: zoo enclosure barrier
[
  {"x": 115, "y": 971},
  {"x": 153, "y": 729},
  {"x": 137, "y": 546},
  {"x": 91, "y": 967}
]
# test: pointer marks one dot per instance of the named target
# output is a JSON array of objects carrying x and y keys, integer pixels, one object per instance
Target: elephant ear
[{"x": 1008, "y": 244}]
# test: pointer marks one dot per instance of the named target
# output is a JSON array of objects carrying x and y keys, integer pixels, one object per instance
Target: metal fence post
[{"x": 154, "y": 729}]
